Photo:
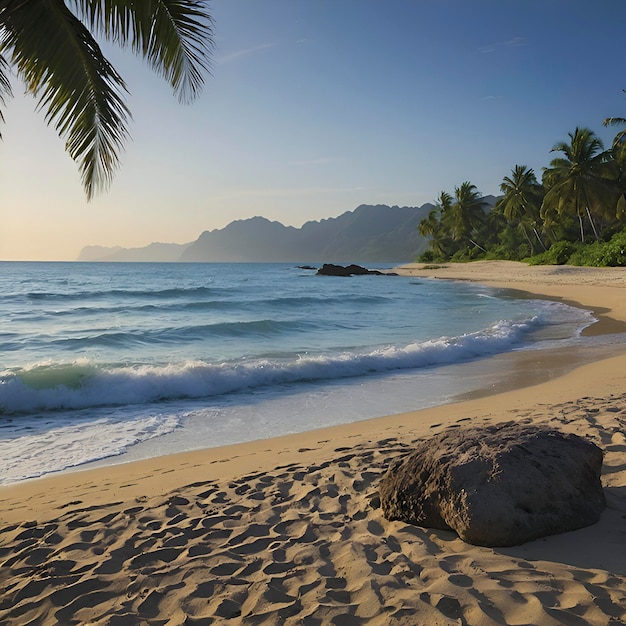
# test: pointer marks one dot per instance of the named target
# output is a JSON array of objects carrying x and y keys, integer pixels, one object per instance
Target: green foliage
[
  {"x": 591, "y": 254},
  {"x": 54, "y": 52},
  {"x": 582, "y": 181},
  {"x": 615, "y": 250},
  {"x": 558, "y": 254},
  {"x": 512, "y": 244},
  {"x": 582, "y": 198},
  {"x": 456, "y": 226},
  {"x": 507, "y": 253},
  {"x": 597, "y": 254}
]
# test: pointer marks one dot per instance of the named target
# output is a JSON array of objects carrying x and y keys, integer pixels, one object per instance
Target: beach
[{"x": 288, "y": 531}]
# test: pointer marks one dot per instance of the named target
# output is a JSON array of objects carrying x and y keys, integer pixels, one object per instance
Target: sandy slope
[{"x": 286, "y": 531}]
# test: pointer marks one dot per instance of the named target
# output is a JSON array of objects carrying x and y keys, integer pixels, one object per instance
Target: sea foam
[
  {"x": 44, "y": 449},
  {"x": 82, "y": 384}
]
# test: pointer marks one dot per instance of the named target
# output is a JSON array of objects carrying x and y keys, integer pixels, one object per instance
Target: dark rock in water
[
  {"x": 306, "y": 267},
  {"x": 329, "y": 269},
  {"x": 498, "y": 485}
]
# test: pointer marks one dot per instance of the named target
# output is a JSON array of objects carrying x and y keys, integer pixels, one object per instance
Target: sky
[{"x": 314, "y": 107}]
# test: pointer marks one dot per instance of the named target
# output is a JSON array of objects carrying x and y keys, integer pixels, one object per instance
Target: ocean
[{"x": 119, "y": 361}]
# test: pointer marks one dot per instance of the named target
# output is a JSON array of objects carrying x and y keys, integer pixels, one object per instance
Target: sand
[{"x": 286, "y": 531}]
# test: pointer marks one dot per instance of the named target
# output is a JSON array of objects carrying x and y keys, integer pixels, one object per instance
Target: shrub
[
  {"x": 558, "y": 254},
  {"x": 598, "y": 254},
  {"x": 428, "y": 256},
  {"x": 615, "y": 250},
  {"x": 589, "y": 255}
]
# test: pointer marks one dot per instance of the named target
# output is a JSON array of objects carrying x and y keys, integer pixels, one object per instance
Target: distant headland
[{"x": 368, "y": 234}]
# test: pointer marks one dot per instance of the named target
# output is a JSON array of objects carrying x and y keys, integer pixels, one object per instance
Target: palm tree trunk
[
  {"x": 528, "y": 239},
  {"x": 582, "y": 229},
  {"x": 543, "y": 245},
  {"x": 578, "y": 213},
  {"x": 593, "y": 226},
  {"x": 475, "y": 244}
]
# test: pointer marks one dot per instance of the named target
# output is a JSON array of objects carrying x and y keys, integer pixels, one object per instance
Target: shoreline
[
  {"x": 575, "y": 286},
  {"x": 450, "y": 383},
  {"x": 290, "y": 520}
]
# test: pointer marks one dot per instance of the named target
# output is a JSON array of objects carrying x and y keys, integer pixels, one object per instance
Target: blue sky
[{"x": 317, "y": 106}]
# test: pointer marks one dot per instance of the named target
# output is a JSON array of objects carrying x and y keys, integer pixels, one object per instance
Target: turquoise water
[{"x": 102, "y": 360}]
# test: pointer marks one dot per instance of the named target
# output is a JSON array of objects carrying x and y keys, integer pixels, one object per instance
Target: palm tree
[
  {"x": 618, "y": 149},
  {"x": 522, "y": 200},
  {"x": 619, "y": 155},
  {"x": 53, "y": 51},
  {"x": 617, "y": 121},
  {"x": 465, "y": 214},
  {"x": 432, "y": 226},
  {"x": 579, "y": 181}
]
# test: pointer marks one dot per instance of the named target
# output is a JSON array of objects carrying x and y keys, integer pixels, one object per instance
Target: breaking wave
[{"x": 83, "y": 384}]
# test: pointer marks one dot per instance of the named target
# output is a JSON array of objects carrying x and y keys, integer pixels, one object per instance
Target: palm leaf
[
  {"x": 620, "y": 210},
  {"x": 174, "y": 36},
  {"x": 5, "y": 85},
  {"x": 563, "y": 147},
  {"x": 81, "y": 92},
  {"x": 614, "y": 121}
]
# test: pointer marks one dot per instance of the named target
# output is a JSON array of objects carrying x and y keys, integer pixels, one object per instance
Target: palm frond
[
  {"x": 614, "y": 121},
  {"x": 443, "y": 201},
  {"x": 560, "y": 163},
  {"x": 81, "y": 93},
  {"x": 5, "y": 85},
  {"x": 562, "y": 146},
  {"x": 174, "y": 36},
  {"x": 620, "y": 209}
]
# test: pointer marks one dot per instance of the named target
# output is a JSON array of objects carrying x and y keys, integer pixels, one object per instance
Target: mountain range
[{"x": 369, "y": 234}]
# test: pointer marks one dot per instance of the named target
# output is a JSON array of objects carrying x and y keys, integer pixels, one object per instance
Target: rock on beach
[
  {"x": 498, "y": 485},
  {"x": 329, "y": 269}
]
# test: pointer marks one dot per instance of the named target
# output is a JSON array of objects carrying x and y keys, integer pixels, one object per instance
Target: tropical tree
[
  {"x": 617, "y": 121},
  {"x": 50, "y": 46},
  {"x": 465, "y": 214},
  {"x": 454, "y": 222},
  {"x": 580, "y": 182},
  {"x": 618, "y": 150},
  {"x": 432, "y": 227},
  {"x": 619, "y": 155},
  {"x": 521, "y": 201}
]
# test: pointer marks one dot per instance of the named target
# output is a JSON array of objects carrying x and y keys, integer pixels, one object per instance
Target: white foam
[
  {"x": 49, "y": 450},
  {"x": 80, "y": 385}
]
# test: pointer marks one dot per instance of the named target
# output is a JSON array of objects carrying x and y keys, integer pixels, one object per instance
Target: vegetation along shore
[{"x": 575, "y": 214}]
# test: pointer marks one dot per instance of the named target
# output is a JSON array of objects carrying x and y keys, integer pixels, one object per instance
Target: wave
[
  {"x": 94, "y": 311},
  {"x": 172, "y": 302},
  {"x": 83, "y": 384},
  {"x": 326, "y": 300},
  {"x": 122, "y": 339},
  {"x": 172, "y": 293}
]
